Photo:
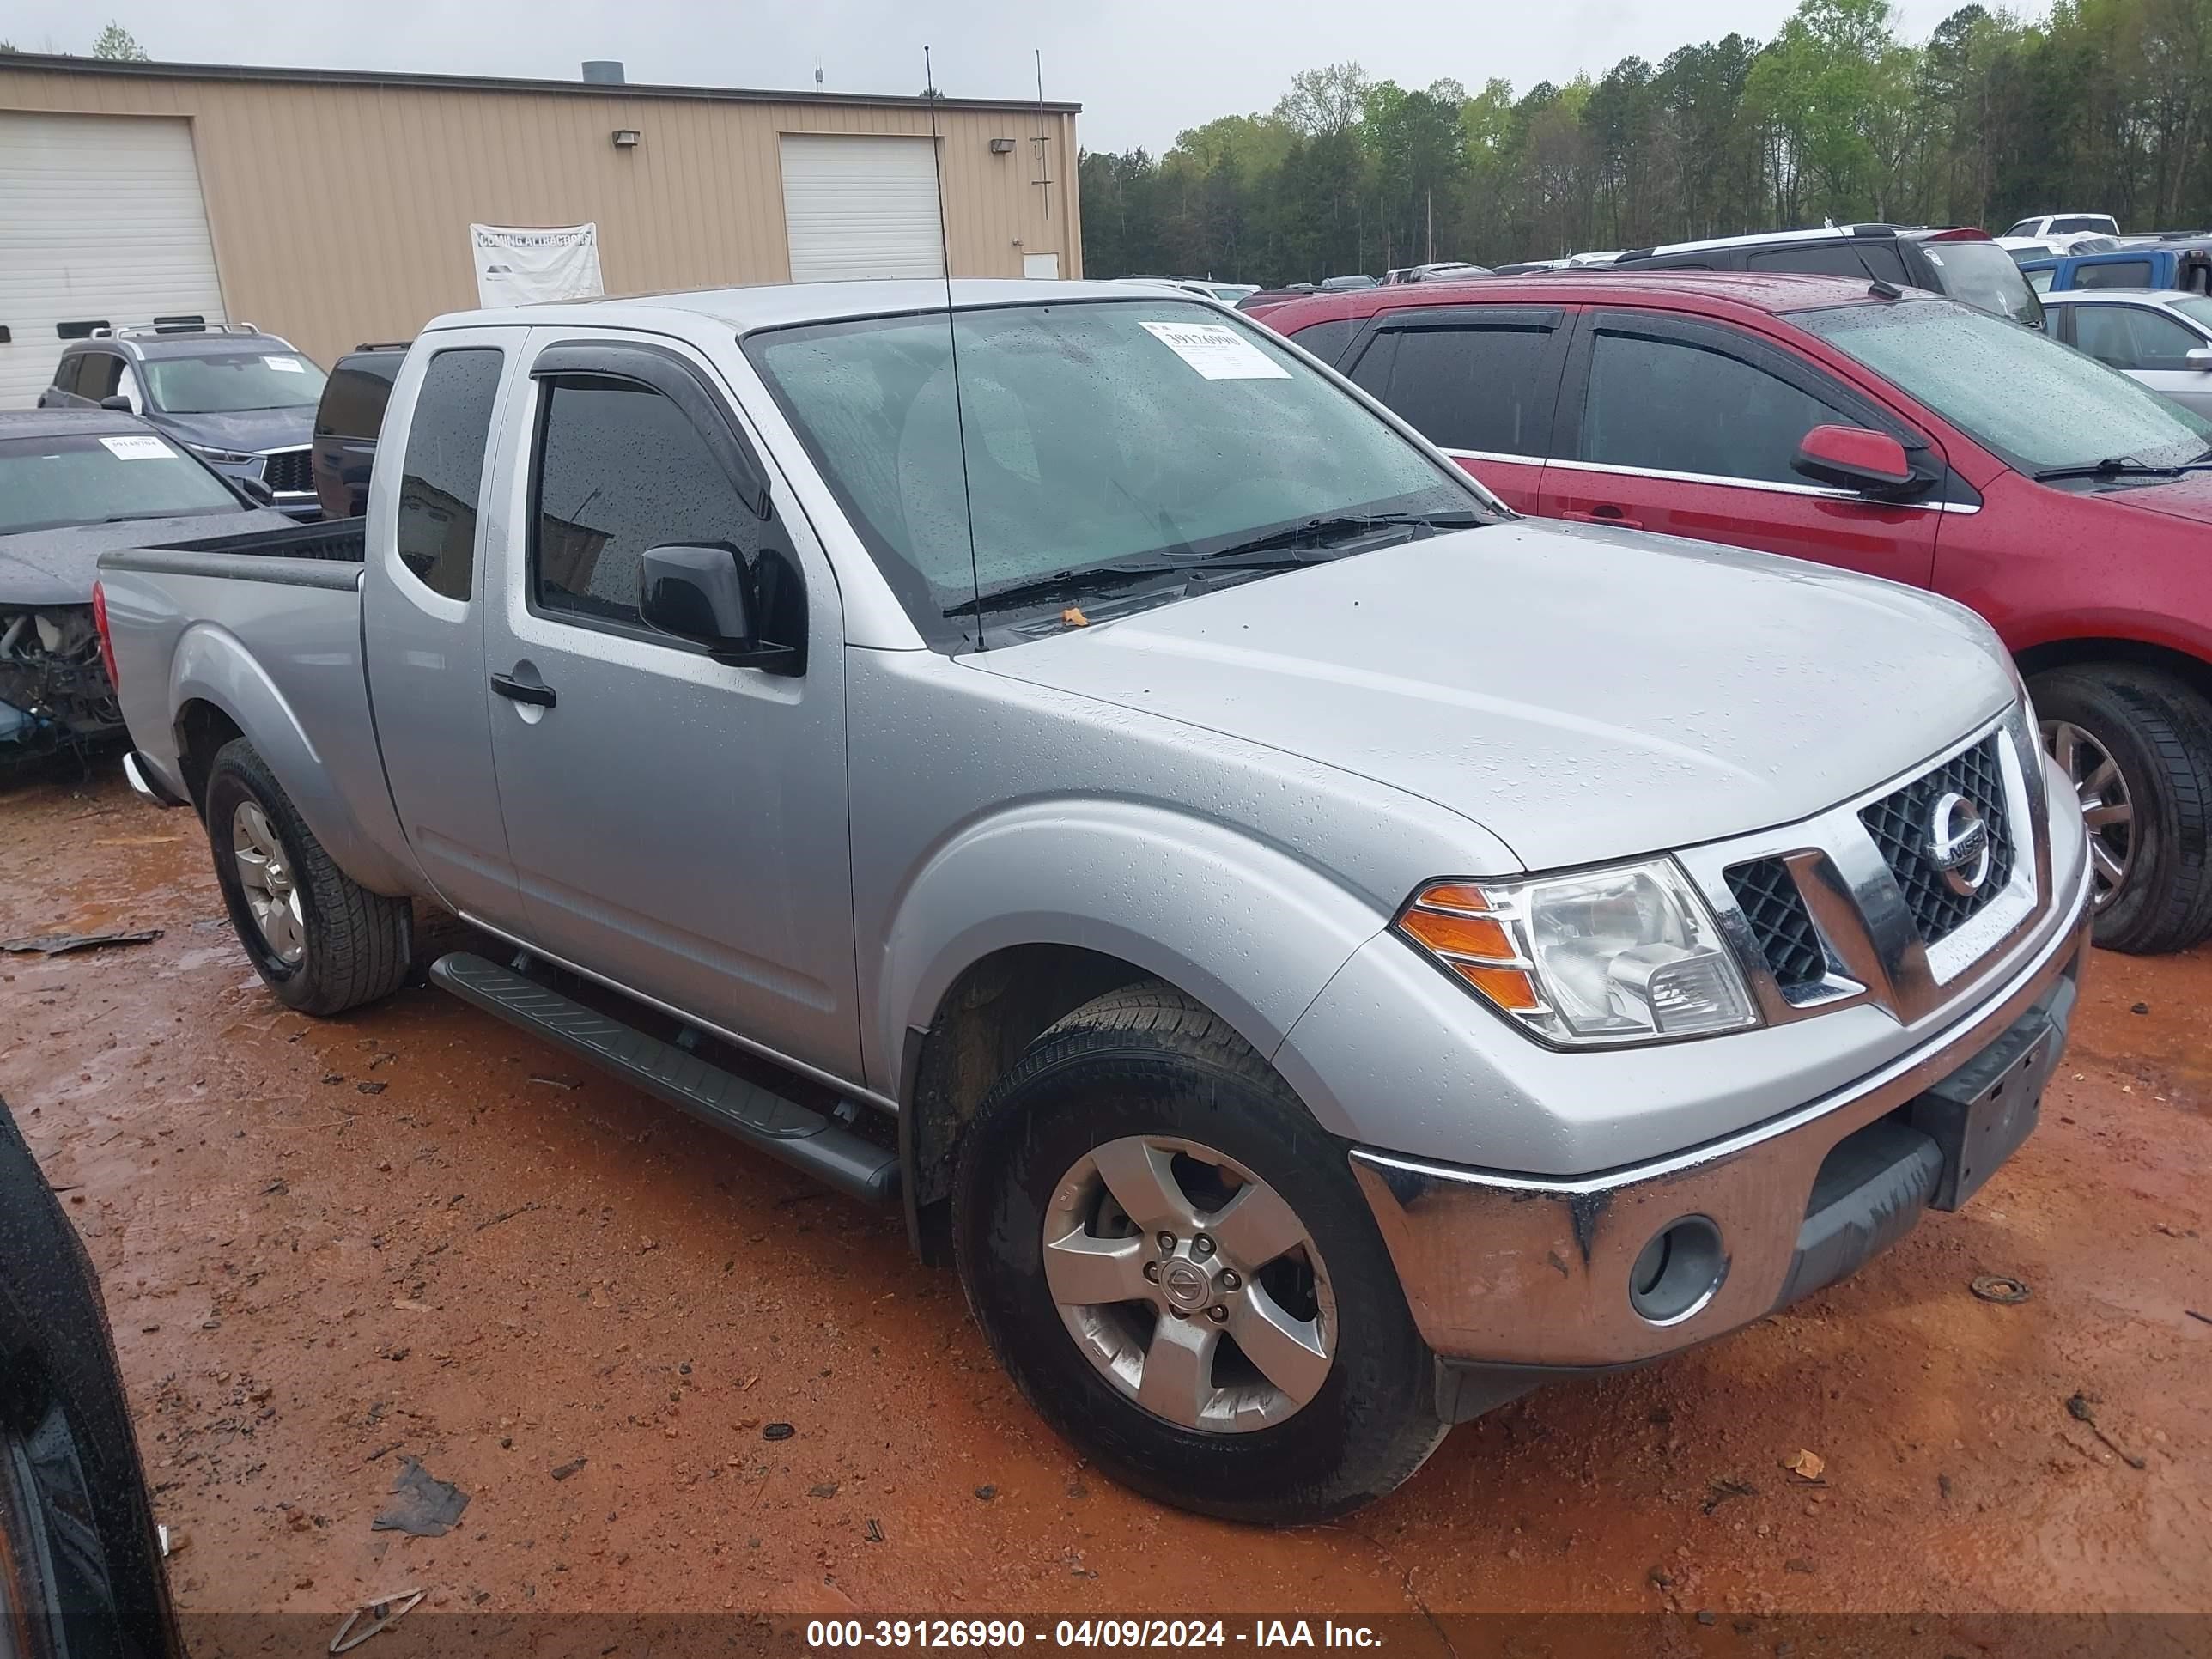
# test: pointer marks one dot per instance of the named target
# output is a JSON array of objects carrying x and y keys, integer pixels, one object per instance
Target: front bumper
[{"x": 1535, "y": 1272}]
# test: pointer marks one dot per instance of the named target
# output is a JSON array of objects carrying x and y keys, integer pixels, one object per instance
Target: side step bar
[{"x": 783, "y": 1128}]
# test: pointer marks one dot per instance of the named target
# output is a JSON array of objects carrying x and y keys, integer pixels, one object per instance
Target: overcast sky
[{"x": 1142, "y": 70}]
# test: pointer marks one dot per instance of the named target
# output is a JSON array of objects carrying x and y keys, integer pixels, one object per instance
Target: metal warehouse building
[{"x": 334, "y": 207}]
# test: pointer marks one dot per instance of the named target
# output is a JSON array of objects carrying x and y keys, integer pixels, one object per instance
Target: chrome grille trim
[{"x": 1874, "y": 946}]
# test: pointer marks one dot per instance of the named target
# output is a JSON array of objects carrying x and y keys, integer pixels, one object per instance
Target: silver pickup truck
[{"x": 1321, "y": 954}]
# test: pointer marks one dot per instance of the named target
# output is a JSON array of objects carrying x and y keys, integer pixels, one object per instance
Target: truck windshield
[
  {"x": 1126, "y": 434},
  {"x": 48, "y": 483},
  {"x": 2041, "y": 405},
  {"x": 232, "y": 382}
]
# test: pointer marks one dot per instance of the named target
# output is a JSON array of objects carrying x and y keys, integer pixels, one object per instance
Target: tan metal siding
[{"x": 339, "y": 211}]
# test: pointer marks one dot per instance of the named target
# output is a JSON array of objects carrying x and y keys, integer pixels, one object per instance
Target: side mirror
[
  {"x": 255, "y": 491},
  {"x": 2199, "y": 358},
  {"x": 705, "y": 594},
  {"x": 116, "y": 400},
  {"x": 1853, "y": 457}
]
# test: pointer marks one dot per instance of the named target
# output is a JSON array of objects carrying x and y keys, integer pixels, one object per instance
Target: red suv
[{"x": 1890, "y": 431}]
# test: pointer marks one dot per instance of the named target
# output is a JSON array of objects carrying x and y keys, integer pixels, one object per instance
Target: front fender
[
  {"x": 211, "y": 665},
  {"x": 1247, "y": 929}
]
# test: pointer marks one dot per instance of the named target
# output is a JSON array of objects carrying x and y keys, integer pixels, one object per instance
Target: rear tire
[
  {"x": 321, "y": 940},
  {"x": 2149, "y": 812},
  {"x": 1135, "y": 1068}
]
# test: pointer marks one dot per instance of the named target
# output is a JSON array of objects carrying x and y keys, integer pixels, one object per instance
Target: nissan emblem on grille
[{"x": 1957, "y": 846}]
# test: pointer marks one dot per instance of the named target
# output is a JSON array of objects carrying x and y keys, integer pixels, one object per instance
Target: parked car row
[
  {"x": 1853, "y": 423},
  {"x": 1285, "y": 893}
]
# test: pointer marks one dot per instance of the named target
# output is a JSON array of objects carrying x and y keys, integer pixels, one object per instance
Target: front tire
[
  {"x": 1174, "y": 1263},
  {"x": 321, "y": 941},
  {"x": 2136, "y": 746}
]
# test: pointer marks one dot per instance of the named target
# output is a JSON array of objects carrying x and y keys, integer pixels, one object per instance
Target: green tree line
[{"x": 2104, "y": 105}]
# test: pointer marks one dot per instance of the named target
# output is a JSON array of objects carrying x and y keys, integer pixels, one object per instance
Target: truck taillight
[{"x": 107, "y": 644}]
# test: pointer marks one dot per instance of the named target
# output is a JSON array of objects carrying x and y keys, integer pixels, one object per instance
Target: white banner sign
[{"x": 517, "y": 266}]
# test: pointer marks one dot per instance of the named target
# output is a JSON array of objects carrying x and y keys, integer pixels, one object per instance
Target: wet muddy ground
[{"x": 330, "y": 1247}]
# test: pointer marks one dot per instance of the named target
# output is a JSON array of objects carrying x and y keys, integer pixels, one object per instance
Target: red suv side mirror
[{"x": 1853, "y": 457}]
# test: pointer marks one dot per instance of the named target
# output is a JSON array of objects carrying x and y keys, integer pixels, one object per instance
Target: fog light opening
[{"x": 1679, "y": 1272}]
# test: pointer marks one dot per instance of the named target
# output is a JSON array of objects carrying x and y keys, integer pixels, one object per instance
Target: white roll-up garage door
[
  {"x": 858, "y": 205},
  {"x": 100, "y": 221}
]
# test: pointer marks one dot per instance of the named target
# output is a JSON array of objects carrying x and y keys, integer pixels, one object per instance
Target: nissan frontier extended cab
[{"x": 1320, "y": 953}]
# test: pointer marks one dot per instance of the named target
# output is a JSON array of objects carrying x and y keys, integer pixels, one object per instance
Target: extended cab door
[
  {"x": 1477, "y": 381},
  {"x": 1686, "y": 426},
  {"x": 435, "y": 523},
  {"x": 678, "y": 824}
]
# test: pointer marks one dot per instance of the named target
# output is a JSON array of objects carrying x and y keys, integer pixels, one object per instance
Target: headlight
[
  {"x": 1625, "y": 955},
  {"x": 222, "y": 456}
]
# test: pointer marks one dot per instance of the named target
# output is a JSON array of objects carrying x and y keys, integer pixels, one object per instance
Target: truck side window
[
  {"x": 444, "y": 475},
  {"x": 2113, "y": 273},
  {"x": 1468, "y": 388},
  {"x": 620, "y": 469},
  {"x": 1748, "y": 423}
]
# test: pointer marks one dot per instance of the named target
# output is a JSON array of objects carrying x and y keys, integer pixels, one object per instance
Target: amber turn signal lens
[
  {"x": 1467, "y": 936},
  {"x": 1452, "y": 896},
  {"x": 1510, "y": 988}
]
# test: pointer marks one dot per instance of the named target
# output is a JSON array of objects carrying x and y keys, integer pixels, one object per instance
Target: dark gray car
[
  {"x": 73, "y": 484},
  {"x": 243, "y": 401}
]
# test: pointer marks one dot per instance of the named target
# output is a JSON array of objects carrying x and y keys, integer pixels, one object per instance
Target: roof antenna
[
  {"x": 1881, "y": 287},
  {"x": 952, "y": 338}
]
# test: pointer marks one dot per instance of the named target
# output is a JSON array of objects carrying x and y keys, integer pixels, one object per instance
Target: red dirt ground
[{"x": 327, "y": 1247}]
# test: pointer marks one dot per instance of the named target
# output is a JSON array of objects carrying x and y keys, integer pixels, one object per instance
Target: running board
[{"x": 783, "y": 1128}]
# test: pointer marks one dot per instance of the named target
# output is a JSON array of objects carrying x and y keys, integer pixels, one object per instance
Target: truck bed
[
  {"x": 265, "y": 625},
  {"x": 336, "y": 541}
]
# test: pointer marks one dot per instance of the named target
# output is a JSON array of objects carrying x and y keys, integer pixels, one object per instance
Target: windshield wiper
[
  {"x": 1279, "y": 549},
  {"x": 2113, "y": 466},
  {"x": 1066, "y": 584},
  {"x": 1319, "y": 533}
]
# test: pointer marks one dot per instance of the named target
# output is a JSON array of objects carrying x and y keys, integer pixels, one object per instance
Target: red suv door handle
[{"x": 1606, "y": 512}]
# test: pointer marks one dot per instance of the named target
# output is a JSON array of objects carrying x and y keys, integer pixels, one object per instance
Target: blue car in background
[{"x": 2185, "y": 266}]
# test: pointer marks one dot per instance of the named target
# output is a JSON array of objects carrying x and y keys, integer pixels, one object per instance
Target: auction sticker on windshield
[
  {"x": 288, "y": 365},
  {"x": 1217, "y": 351},
  {"x": 138, "y": 449}
]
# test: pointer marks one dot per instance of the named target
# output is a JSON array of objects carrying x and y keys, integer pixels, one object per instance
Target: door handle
[
  {"x": 515, "y": 691},
  {"x": 1606, "y": 512}
]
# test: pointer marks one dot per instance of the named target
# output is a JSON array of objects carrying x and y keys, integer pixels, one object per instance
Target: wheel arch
[
  {"x": 2090, "y": 650},
  {"x": 221, "y": 693}
]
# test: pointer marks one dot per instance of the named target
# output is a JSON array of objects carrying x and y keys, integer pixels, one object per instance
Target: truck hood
[
  {"x": 244, "y": 430},
  {"x": 57, "y": 566},
  {"x": 1582, "y": 693}
]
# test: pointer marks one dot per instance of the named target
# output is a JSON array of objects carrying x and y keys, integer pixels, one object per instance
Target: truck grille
[
  {"x": 1899, "y": 824},
  {"x": 1781, "y": 924},
  {"x": 289, "y": 472}
]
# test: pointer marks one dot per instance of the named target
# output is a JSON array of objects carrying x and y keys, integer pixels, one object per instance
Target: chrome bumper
[{"x": 1535, "y": 1271}]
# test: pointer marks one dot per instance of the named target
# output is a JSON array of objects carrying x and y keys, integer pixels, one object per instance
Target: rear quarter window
[
  {"x": 1328, "y": 341},
  {"x": 1834, "y": 259}
]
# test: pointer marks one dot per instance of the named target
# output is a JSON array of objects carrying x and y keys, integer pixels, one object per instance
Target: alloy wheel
[
  {"x": 2107, "y": 808},
  {"x": 1190, "y": 1284},
  {"x": 272, "y": 894}
]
